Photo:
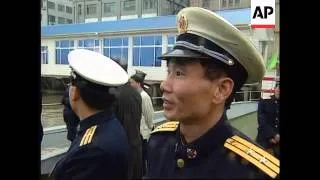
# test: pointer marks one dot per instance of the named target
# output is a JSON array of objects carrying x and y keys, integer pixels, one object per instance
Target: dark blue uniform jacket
[
  {"x": 216, "y": 154},
  {"x": 268, "y": 120},
  {"x": 100, "y": 151}
]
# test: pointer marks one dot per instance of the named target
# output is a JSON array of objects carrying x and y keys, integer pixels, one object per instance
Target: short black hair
[
  {"x": 94, "y": 95},
  {"x": 215, "y": 69},
  {"x": 138, "y": 79}
]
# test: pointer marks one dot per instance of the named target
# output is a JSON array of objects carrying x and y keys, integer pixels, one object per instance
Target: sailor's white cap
[{"x": 97, "y": 68}]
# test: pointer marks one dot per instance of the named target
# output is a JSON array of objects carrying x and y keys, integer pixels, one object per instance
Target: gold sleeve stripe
[
  {"x": 85, "y": 137},
  {"x": 164, "y": 129},
  {"x": 90, "y": 134},
  {"x": 255, "y": 155},
  {"x": 168, "y": 126},
  {"x": 251, "y": 159},
  {"x": 258, "y": 150}
]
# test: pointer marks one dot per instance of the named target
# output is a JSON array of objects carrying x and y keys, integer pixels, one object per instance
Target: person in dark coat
[
  {"x": 210, "y": 61},
  {"x": 70, "y": 118},
  {"x": 269, "y": 123},
  {"x": 146, "y": 123},
  {"x": 40, "y": 131},
  {"x": 101, "y": 149},
  {"x": 128, "y": 111}
]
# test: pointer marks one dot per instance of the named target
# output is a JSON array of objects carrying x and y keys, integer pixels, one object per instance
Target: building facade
[
  {"x": 136, "y": 43},
  {"x": 57, "y": 12},
  {"x": 85, "y": 11},
  {"x": 216, "y": 5},
  {"x": 109, "y": 10}
]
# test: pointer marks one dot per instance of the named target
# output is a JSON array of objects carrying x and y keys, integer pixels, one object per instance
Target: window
[
  {"x": 51, "y": 5},
  {"x": 224, "y": 4},
  {"x": 117, "y": 49},
  {"x": 61, "y": 8},
  {"x": 149, "y": 4},
  {"x": 61, "y": 20},
  {"x": 91, "y": 9},
  {"x": 129, "y": 5},
  {"x": 230, "y": 4},
  {"x": 171, "y": 42},
  {"x": 109, "y": 8},
  {"x": 79, "y": 9},
  {"x": 69, "y": 21},
  {"x": 69, "y": 9},
  {"x": 44, "y": 54},
  {"x": 237, "y": 3},
  {"x": 51, "y": 20},
  {"x": 146, "y": 50},
  {"x": 43, "y": 4},
  {"x": 262, "y": 48},
  {"x": 205, "y": 3},
  {"x": 90, "y": 44},
  {"x": 63, "y": 48}
]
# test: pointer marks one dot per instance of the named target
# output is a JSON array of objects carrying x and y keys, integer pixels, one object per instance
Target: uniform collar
[
  {"x": 274, "y": 98},
  {"x": 201, "y": 147},
  {"x": 97, "y": 118}
]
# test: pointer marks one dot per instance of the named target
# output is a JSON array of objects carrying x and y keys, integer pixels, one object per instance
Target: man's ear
[
  {"x": 74, "y": 93},
  {"x": 223, "y": 89}
]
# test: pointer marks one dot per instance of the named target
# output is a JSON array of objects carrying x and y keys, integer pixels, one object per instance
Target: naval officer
[
  {"x": 269, "y": 120},
  {"x": 210, "y": 61},
  {"x": 101, "y": 149}
]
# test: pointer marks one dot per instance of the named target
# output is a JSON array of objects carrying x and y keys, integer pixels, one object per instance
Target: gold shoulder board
[
  {"x": 87, "y": 137},
  {"x": 168, "y": 126},
  {"x": 254, "y": 154}
]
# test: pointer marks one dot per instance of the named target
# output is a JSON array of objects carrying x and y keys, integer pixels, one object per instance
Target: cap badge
[
  {"x": 182, "y": 25},
  {"x": 191, "y": 153}
]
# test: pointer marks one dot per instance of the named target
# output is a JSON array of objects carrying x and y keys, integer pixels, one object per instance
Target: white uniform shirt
[{"x": 146, "y": 123}]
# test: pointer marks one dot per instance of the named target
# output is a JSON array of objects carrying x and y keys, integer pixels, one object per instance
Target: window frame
[
  {"x": 156, "y": 62},
  {"x": 58, "y": 60}
]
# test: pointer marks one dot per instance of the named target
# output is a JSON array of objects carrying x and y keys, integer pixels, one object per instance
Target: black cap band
[{"x": 205, "y": 46}]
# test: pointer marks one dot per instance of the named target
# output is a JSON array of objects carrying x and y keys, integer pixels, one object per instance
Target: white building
[
  {"x": 57, "y": 12},
  {"x": 136, "y": 43}
]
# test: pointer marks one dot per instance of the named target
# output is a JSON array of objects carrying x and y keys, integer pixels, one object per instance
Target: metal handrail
[
  {"x": 249, "y": 98},
  {"x": 51, "y": 104}
]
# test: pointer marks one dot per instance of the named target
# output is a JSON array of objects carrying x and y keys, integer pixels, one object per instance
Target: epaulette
[
  {"x": 168, "y": 126},
  {"x": 87, "y": 137},
  {"x": 254, "y": 154}
]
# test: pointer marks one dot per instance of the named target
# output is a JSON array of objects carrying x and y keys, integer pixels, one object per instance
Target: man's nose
[{"x": 165, "y": 86}]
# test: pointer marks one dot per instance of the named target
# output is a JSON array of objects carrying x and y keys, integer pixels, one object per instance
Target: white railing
[
  {"x": 52, "y": 104},
  {"x": 244, "y": 96},
  {"x": 52, "y": 113},
  {"x": 241, "y": 96}
]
